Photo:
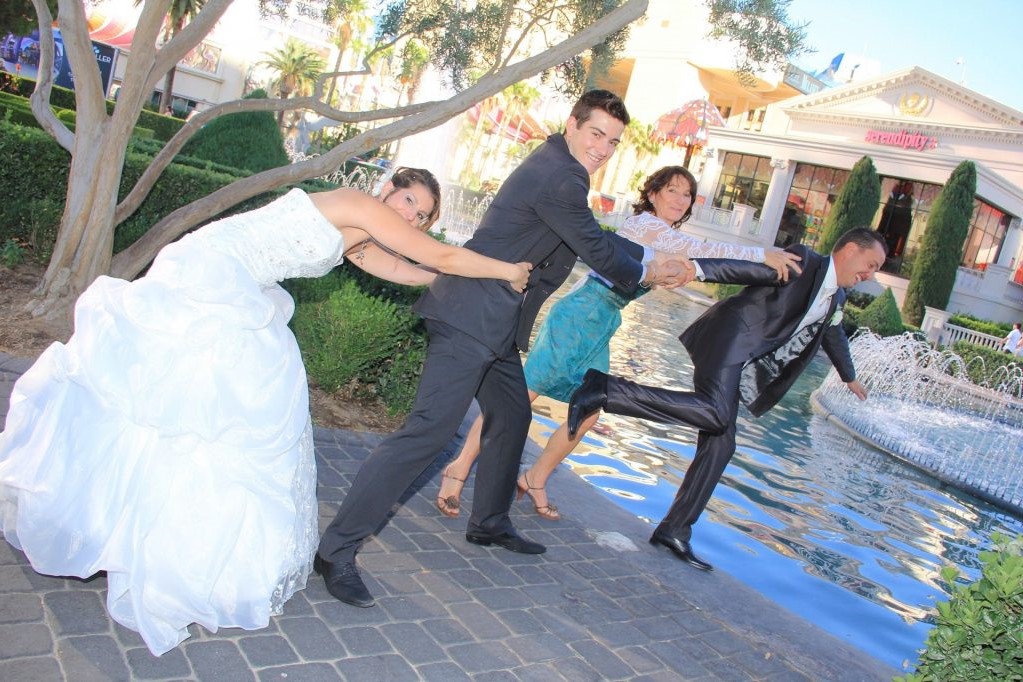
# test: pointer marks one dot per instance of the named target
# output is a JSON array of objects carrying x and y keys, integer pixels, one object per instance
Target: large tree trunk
[{"x": 83, "y": 249}]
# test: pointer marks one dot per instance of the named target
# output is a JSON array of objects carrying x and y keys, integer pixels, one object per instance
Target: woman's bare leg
[
  {"x": 559, "y": 446},
  {"x": 457, "y": 471}
]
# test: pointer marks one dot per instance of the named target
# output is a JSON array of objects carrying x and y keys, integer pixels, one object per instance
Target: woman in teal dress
[{"x": 577, "y": 331}]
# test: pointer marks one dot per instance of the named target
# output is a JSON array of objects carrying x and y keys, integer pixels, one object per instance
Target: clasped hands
[{"x": 668, "y": 271}]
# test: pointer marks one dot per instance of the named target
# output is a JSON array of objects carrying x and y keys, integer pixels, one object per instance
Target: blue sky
[{"x": 931, "y": 34}]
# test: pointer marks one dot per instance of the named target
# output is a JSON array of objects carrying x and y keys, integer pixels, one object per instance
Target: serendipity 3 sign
[{"x": 903, "y": 138}]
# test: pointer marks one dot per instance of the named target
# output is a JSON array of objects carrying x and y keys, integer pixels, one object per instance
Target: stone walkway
[{"x": 601, "y": 604}]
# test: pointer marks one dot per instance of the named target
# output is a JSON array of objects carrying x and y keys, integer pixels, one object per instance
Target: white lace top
[
  {"x": 287, "y": 238},
  {"x": 649, "y": 230}
]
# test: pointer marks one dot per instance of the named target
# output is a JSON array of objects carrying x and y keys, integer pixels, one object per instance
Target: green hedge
[
  {"x": 978, "y": 633},
  {"x": 358, "y": 344},
  {"x": 984, "y": 373},
  {"x": 16, "y": 87},
  {"x": 1000, "y": 329}
]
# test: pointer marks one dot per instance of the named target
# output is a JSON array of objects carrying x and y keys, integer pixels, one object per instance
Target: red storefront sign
[{"x": 903, "y": 138}]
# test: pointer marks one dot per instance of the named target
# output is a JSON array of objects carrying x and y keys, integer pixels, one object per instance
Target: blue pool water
[{"x": 835, "y": 531}]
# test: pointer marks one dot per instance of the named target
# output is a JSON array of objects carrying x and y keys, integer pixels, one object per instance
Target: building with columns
[{"x": 775, "y": 186}]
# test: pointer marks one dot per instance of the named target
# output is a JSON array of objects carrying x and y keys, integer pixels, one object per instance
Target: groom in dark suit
[
  {"x": 749, "y": 347},
  {"x": 476, "y": 328}
]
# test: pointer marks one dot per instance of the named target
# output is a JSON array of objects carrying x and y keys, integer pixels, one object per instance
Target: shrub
[
  {"x": 851, "y": 318},
  {"x": 978, "y": 633},
  {"x": 722, "y": 291},
  {"x": 986, "y": 373},
  {"x": 11, "y": 253},
  {"x": 35, "y": 168},
  {"x": 400, "y": 378},
  {"x": 941, "y": 248},
  {"x": 858, "y": 298},
  {"x": 350, "y": 338},
  {"x": 978, "y": 325},
  {"x": 44, "y": 216},
  {"x": 855, "y": 206},
  {"x": 882, "y": 315},
  {"x": 249, "y": 140}
]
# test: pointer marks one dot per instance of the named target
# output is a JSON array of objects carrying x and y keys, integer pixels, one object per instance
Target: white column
[
  {"x": 774, "y": 202},
  {"x": 933, "y": 324}
]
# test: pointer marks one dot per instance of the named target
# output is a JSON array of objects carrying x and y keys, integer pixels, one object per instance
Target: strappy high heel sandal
[
  {"x": 450, "y": 505},
  {"x": 547, "y": 511}
]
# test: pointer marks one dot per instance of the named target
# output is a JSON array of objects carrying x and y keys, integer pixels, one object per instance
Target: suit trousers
[
  {"x": 712, "y": 407},
  {"x": 457, "y": 368}
]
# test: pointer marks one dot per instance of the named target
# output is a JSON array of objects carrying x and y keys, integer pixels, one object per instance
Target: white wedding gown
[{"x": 168, "y": 443}]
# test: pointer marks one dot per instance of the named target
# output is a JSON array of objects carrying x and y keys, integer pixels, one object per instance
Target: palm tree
[
  {"x": 298, "y": 66},
  {"x": 414, "y": 59},
  {"x": 352, "y": 22},
  {"x": 180, "y": 12}
]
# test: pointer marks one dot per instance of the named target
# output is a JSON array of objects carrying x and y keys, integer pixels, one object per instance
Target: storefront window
[
  {"x": 744, "y": 180},
  {"x": 814, "y": 189},
  {"x": 987, "y": 231},
  {"x": 902, "y": 220}
]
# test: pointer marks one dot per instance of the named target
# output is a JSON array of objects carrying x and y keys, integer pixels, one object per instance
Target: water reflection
[{"x": 835, "y": 531}]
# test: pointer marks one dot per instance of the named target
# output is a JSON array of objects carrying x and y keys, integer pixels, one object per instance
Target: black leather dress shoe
[
  {"x": 343, "y": 582},
  {"x": 511, "y": 541},
  {"x": 590, "y": 397},
  {"x": 681, "y": 549}
]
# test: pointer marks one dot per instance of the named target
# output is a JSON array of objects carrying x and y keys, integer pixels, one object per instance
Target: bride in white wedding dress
[{"x": 168, "y": 442}]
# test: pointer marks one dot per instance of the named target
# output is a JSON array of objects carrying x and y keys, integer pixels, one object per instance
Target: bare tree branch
[{"x": 40, "y": 100}]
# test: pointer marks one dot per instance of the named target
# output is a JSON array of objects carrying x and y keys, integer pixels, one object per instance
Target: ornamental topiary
[
  {"x": 882, "y": 315},
  {"x": 855, "y": 206},
  {"x": 249, "y": 140},
  {"x": 941, "y": 248},
  {"x": 979, "y": 632}
]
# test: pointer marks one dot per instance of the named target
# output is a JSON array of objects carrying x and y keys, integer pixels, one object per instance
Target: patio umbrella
[{"x": 682, "y": 125}]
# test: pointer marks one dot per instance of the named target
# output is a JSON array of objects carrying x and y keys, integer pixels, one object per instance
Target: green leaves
[{"x": 979, "y": 632}]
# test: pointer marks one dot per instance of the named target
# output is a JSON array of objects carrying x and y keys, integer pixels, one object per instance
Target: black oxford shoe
[
  {"x": 681, "y": 549},
  {"x": 590, "y": 397},
  {"x": 343, "y": 582},
  {"x": 511, "y": 541}
]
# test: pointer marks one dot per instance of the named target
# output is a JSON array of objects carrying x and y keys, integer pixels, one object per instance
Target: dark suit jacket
[
  {"x": 540, "y": 215},
  {"x": 762, "y": 318}
]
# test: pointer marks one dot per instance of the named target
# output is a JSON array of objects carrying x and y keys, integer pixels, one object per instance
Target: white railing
[{"x": 952, "y": 333}]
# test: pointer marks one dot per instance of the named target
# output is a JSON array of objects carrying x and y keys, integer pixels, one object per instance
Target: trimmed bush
[
  {"x": 978, "y": 634},
  {"x": 941, "y": 248},
  {"x": 350, "y": 338},
  {"x": 882, "y": 315},
  {"x": 985, "y": 373},
  {"x": 249, "y": 140},
  {"x": 855, "y": 206},
  {"x": 978, "y": 325}
]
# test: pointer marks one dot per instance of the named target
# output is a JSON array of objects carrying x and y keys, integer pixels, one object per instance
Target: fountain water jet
[{"x": 923, "y": 410}]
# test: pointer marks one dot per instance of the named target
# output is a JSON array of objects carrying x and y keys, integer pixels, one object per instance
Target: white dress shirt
[{"x": 820, "y": 305}]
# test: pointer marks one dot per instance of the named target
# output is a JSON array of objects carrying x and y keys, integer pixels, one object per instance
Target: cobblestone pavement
[{"x": 601, "y": 604}]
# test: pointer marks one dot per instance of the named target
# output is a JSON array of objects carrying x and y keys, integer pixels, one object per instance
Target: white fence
[{"x": 952, "y": 333}]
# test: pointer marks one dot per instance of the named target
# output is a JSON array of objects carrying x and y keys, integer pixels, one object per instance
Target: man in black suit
[
  {"x": 749, "y": 347},
  {"x": 476, "y": 328}
]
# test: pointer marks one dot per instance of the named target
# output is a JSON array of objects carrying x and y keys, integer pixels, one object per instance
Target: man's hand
[
  {"x": 669, "y": 271},
  {"x": 858, "y": 389}
]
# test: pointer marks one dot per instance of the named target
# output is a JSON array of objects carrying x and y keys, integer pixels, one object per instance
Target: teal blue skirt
[{"x": 574, "y": 337}]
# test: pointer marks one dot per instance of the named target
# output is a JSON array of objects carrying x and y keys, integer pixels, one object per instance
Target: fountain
[{"x": 923, "y": 410}]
